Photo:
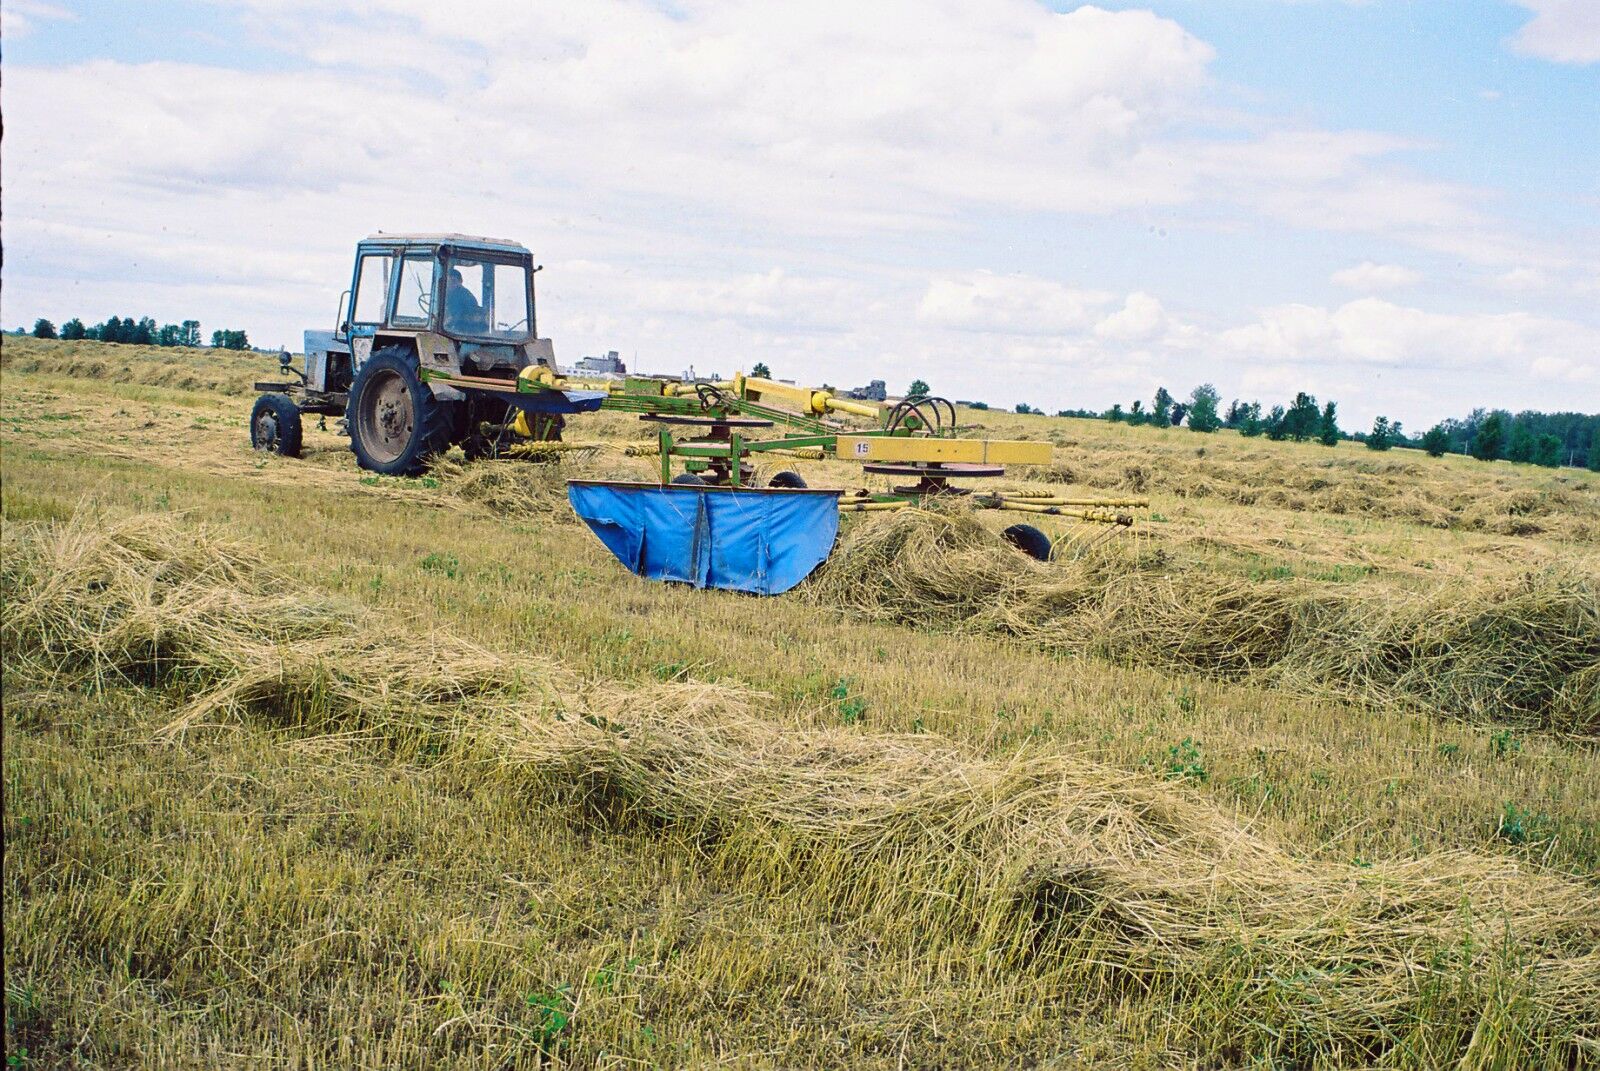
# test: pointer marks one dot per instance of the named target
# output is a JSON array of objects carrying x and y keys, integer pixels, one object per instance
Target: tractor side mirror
[{"x": 342, "y": 332}]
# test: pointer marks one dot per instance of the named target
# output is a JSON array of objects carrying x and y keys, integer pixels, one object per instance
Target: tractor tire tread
[
  {"x": 434, "y": 421},
  {"x": 291, "y": 435}
]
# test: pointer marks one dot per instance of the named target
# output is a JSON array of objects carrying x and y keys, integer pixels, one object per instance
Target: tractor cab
[
  {"x": 463, "y": 304},
  {"x": 466, "y": 289}
]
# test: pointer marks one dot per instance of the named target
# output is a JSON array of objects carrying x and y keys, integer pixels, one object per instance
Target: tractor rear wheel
[
  {"x": 275, "y": 425},
  {"x": 1029, "y": 540},
  {"x": 787, "y": 478},
  {"x": 396, "y": 424}
]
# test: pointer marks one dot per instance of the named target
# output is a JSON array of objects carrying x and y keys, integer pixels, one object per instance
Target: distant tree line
[
  {"x": 1528, "y": 437},
  {"x": 1301, "y": 420},
  {"x": 141, "y": 332}
]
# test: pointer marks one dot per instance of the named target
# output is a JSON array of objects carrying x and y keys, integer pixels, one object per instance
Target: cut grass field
[{"x": 305, "y": 767}]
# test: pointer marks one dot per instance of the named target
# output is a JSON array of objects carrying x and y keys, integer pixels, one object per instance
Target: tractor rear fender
[
  {"x": 430, "y": 351},
  {"x": 539, "y": 351}
]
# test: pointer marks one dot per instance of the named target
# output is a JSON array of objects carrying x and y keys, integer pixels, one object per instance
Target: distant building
[
  {"x": 876, "y": 391},
  {"x": 691, "y": 376},
  {"x": 609, "y": 365}
]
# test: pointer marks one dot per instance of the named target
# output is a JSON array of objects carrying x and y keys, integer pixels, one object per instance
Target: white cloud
[
  {"x": 1011, "y": 305},
  {"x": 1563, "y": 31},
  {"x": 1370, "y": 278},
  {"x": 1371, "y": 330},
  {"x": 774, "y": 299},
  {"x": 835, "y": 118},
  {"x": 1141, "y": 319},
  {"x": 1564, "y": 369},
  {"x": 1521, "y": 280},
  {"x": 833, "y": 104},
  {"x": 18, "y": 18}
]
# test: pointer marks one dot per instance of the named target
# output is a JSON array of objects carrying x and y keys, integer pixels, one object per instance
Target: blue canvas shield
[
  {"x": 555, "y": 401},
  {"x": 763, "y": 541}
]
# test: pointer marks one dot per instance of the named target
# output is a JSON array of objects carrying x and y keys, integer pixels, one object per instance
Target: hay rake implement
[
  {"x": 436, "y": 345},
  {"x": 711, "y": 526}
]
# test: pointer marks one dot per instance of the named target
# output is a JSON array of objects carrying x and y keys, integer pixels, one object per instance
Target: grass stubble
[
  {"x": 1063, "y": 875},
  {"x": 246, "y": 823}
]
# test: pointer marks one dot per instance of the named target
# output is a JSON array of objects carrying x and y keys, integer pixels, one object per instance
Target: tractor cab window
[
  {"x": 486, "y": 298},
  {"x": 372, "y": 288},
  {"x": 413, "y": 302}
]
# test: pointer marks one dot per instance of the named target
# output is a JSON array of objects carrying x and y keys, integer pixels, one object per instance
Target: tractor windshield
[{"x": 486, "y": 298}]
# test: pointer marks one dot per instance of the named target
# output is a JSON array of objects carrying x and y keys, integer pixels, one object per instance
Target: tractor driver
[{"x": 461, "y": 310}]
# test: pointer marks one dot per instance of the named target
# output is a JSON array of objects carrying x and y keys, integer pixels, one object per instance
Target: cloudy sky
[{"x": 1395, "y": 203}]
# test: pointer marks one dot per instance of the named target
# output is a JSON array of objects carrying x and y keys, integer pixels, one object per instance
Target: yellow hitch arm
[{"x": 801, "y": 399}]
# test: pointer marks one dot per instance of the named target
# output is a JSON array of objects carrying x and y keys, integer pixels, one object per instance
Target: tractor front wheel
[
  {"x": 275, "y": 425},
  {"x": 396, "y": 424}
]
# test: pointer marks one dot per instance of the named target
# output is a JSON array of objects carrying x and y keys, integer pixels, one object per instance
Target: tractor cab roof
[{"x": 446, "y": 238}]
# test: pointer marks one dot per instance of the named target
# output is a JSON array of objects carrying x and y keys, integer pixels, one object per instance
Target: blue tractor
[{"x": 435, "y": 345}]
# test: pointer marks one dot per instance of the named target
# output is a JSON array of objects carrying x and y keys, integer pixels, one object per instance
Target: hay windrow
[
  {"x": 1083, "y": 871},
  {"x": 133, "y": 599},
  {"x": 1523, "y": 649},
  {"x": 1399, "y": 487},
  {"x": 521, "y": 489}
]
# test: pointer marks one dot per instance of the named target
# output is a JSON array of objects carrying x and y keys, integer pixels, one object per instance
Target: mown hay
[
  {"x": 176, "y": 368},
  {"x": 528, "y": 487},
  {"x": 1524, "y": 649},
  {"x": 1097, "y": 877},
  {"x": 1434, "y": 494},
  {"x": 144, "y": 600},
  {"x": 139, "y": 599},
  {"x": 508, "y": 488}
]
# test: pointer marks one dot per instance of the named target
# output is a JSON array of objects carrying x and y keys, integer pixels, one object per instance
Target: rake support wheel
[
  {"x": 787, "y": 478},
  {"x": 1028, "y": 539}
]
